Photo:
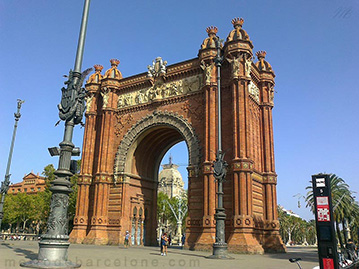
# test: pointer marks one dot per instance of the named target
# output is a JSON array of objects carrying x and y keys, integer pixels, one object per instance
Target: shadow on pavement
[
  {"x": 28, "y": 254},
  {"x": 189, "y": 254},
  {"x": 306, "y": 254},
  {"x": 179, "y": 253}
]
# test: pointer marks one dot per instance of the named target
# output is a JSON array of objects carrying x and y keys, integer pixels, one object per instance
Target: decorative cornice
[
  {"x": 270, "y": 178},
  {"x": 245, "y": 165}
]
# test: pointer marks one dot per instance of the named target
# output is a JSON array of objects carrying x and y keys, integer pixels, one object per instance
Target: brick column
[
  {"x": 272, "y": 240},
  {"x": 241, "y": 238},
  {"x": 81, "y": 220},
  {"x": 268, "y": 157},
  {"x": 104, "y": 170},
  {"x": 205, "y": 227}
]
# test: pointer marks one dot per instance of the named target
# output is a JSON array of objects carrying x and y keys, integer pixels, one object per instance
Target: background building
[
  {"x": 170, "y": 180},
  {"x": 31, "y": 184}
]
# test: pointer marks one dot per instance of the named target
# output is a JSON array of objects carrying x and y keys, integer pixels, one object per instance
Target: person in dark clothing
[
  {"x": 164, "y": 244},
  {"x": 183, "y": 239},
  {"x": 351, "y": 249},
  {"x": 161, "y": 243}
]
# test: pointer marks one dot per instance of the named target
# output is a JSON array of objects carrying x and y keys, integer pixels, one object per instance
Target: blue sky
[{"x": 311, "y": 46}]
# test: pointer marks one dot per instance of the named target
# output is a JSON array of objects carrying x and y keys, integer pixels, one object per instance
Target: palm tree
[
  {"x": 353, "y": 221},
  {"x": 283, "y": 221},
  {"x": 289, "y": 225},
  {"x": 312, "y": 232}
]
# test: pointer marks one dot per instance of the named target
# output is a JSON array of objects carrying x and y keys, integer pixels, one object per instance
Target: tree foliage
[
  {"x": 26, "y": 209},
  {"x": 296, "y": 230},
  {"x": 33, "y": 209}
]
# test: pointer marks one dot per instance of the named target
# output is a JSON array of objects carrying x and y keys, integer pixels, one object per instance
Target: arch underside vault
[{"x": 145, "y": 144}]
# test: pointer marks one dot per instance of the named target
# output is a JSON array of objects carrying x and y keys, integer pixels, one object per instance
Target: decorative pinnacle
[
  {"x": 237, "y": 22},
  {"x": 114, "y": 62},
  {"x": 98, "y": 67},
  {"x": 261, "y": 54},
  {"x": 212, "y": 30}
]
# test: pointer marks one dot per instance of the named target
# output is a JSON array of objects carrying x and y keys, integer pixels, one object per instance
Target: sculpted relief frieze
[
  {"x": 160, "y": 91},
  {"x": 253, "y": 91}
]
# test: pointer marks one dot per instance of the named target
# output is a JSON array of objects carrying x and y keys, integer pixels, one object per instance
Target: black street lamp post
[
  {"x": 220, "y": 171},
  {"x": 5, "y": 184},
  {"x": 53, "y": 247}
]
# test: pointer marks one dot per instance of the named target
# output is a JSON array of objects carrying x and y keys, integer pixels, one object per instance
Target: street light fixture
[
  {"x": 5, "y": 184},
  {"x": 220, "y": 172},
  {"x": 54, "y": 151},
  {"x": 53, "y": 247}
]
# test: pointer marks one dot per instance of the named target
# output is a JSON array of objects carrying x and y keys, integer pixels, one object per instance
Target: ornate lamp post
[
  {"x": 54, "y": 244},
  {"x": 220, "y": 171},
  {"x": 179, "y": 216},
  {"x": 5, "y": 184}
]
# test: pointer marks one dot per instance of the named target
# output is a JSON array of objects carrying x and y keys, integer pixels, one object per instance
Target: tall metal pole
[
  {"x": 220, "y": 171},
  {"x": 53, "y": 252},
  {"x": 5, "y": 184}
]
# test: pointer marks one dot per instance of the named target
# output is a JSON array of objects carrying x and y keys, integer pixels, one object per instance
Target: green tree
[
  {"x": 48, "y": 173},
  {"x": 9, "y": 210},
  {"x": 294, "y": 229},
  {"x": 163, "y": 211},
  {"x": 23, "y": 208},
  {"x": 311, "y": 232},
  {"x": 42, "y": 209}
]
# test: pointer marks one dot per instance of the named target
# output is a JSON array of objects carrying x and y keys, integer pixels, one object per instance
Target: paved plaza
[{"x": 90, "y": 256}]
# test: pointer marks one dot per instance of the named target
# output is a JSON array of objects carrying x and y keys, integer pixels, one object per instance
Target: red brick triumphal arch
[{"x": 131, "y": 123}]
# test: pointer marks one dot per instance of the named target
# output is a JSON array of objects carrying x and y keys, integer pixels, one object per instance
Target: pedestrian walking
[
  {"x": 164, "y": 244},
  {"x": 183, "y": 239},
  {"x": 127, "y": 239}
]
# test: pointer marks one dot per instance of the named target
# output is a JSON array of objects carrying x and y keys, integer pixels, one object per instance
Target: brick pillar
[
  {"x": 200, "y": 231},
  {"x": 203, "y": 230},
  {"x": 98, "y": 233},
  {"x": 241, "y": 238},
  {"x": 81, "y": 220},
  {"x": 210, "y": 150},
  {"x": 272, "y": 239},
  {"x": 209, "y": 185}
]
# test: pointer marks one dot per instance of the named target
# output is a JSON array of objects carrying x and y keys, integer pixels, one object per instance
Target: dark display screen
[{"x": 325, "y": 233}]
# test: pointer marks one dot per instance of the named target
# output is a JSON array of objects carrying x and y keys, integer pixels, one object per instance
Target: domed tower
[{"x": 170, "y": 180}]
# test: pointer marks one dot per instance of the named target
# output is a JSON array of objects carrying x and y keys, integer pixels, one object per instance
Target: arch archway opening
[
  {"x": 172, "y": 197},
  {"x": 142, "y": 166},
  {"x": 138, "y": 161}
]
